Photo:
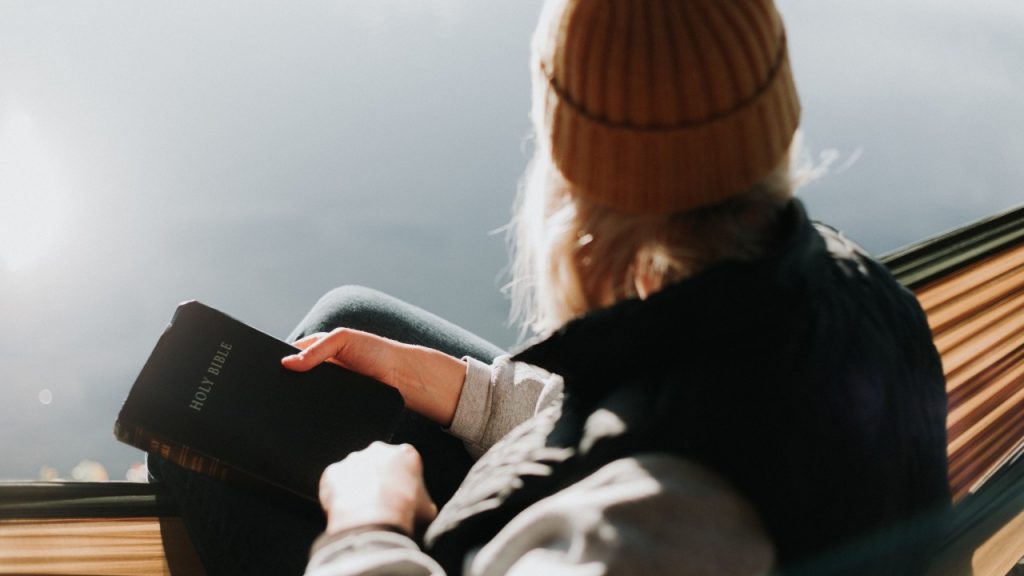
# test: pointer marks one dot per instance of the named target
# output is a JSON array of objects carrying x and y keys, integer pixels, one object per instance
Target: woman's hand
[
  {"x": 381, "y": 484},
  {"x": 430, "y": 381},
  {"x": 358, "y": 351}
]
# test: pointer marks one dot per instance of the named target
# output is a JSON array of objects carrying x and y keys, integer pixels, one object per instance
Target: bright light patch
[
  {"x": 31, "y": 207},
  {"x": 45, "y": 396},
  {"x": 89, "y": 471}
]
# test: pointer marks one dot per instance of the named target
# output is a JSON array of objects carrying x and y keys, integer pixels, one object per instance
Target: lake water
[{"x": 255, "y": 155}]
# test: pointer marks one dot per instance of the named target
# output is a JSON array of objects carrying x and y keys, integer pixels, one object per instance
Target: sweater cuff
[
  {"x": 471, "y": 414},
  {"x": 328, "y": 547}
]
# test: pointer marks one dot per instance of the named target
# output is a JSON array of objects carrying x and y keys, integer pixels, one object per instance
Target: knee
[
  {"x": 349, "y": 295},
  {"x": 353, "y": 300},
  {"x": 352, "y": 306}
]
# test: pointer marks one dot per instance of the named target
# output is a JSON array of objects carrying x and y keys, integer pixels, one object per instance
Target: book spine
[{"x": 176, "y": 452}]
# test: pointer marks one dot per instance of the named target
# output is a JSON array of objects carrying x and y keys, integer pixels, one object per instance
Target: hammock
[{"x": 970, "y": 283}]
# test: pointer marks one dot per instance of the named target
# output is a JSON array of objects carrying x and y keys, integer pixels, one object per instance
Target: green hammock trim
[{"x": 83, "y": 500}]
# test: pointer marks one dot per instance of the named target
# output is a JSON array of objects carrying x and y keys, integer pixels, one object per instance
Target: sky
[{"x": 253, "y": 156}]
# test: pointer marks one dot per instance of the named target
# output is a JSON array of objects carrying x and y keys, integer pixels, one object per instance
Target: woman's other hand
[
  {"x": 379, "y": 485},
  {"x": 430, "y": 381}
]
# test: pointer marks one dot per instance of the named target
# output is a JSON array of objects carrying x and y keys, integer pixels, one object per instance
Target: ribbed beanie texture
[{"x": 663, "y": 105}]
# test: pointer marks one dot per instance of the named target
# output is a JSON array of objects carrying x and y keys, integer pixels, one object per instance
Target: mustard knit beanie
[{"x": 662, "y": 105}]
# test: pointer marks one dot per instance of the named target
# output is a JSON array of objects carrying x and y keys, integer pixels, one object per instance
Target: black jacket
[{"x": 808, "y": 378}]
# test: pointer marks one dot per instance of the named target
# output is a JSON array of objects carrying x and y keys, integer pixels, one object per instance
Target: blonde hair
[{"x": 571, "y": 255}]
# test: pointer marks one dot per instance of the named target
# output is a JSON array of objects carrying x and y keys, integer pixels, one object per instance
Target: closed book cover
[{"x": 213, "y": 397}]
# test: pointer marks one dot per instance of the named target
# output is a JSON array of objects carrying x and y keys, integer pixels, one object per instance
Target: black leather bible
[{"x": 214, "y": 398}]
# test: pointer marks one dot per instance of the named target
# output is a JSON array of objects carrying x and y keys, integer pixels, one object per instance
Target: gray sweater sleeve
[
  {"x": 498, "y": 397},
  {"x": 649, "y": 514}
]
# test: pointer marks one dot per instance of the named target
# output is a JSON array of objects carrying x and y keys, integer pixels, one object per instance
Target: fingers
[
  {"x": 316, "y": 348},
  {"x": 426, "y": 510},
  {"x": 358, "y": 351},
  {"x": 408, "y": 459},
  {"x": 306, "y": 341}
]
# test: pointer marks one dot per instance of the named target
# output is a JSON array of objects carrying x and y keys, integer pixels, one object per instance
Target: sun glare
[{"x": 31, "y": 206}]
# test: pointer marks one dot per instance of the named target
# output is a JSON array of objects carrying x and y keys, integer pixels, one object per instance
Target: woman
[{"x": 723, "y": 387}]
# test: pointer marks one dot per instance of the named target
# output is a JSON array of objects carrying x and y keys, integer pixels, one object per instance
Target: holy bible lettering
[{"x": 206, "y": 385}]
